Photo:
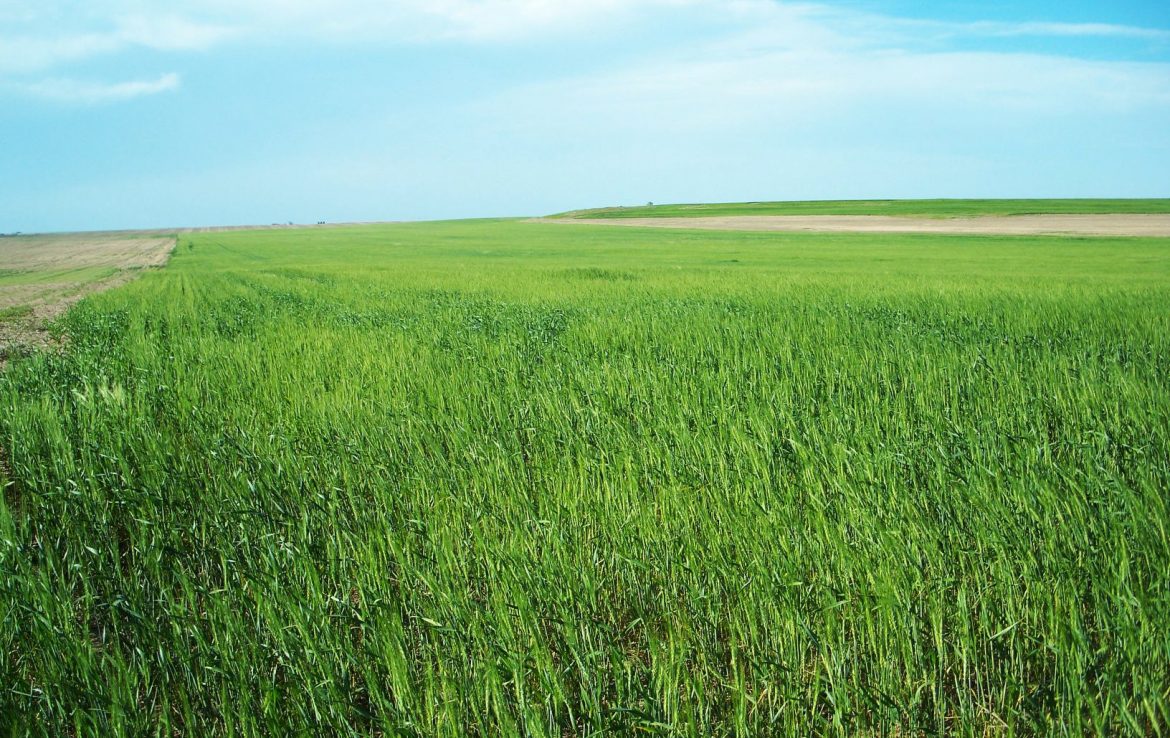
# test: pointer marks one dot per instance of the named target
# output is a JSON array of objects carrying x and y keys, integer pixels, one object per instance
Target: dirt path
[
  {"x": 1007, "y": 225},
  {"x": 43, "y": 276}
]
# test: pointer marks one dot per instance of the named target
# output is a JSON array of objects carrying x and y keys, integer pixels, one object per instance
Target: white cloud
[
  {"x": 801, "y": 74},
  {"x": 1102, "y": 30},
  {"x": 34, "y": 52},
  {"x": 172, "y": 32},
  {"x": 784, "y": 55},
  {"x": 424, "y": 20},
  {"x": 54, "y": 32},
  {"x": 821, "y": 25},
  {"x": 76, "y": 92},
  {"x": 109, "y": 25},
  {"x": 31, "y": 54},
  {"x": 511, "y": 19}
]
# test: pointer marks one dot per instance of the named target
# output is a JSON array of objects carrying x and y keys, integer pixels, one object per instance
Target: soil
[{"x": 1007, "y": 225}]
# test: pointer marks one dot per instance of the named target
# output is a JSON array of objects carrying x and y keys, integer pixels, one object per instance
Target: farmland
[
  {"x": 512, "y": 478},
  {"x": 902, "y": 208},
  {"x": 42, "y": 276}
]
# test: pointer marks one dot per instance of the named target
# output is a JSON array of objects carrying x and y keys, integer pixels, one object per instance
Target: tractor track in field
[{"x": 1121, "y": 224}]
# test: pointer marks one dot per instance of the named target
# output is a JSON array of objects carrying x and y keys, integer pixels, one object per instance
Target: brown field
[
  {"x": 1004, "y": 225},
  {"x": 41, "y": 276}
]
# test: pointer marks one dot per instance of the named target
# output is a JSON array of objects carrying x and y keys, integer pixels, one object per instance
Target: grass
[
  {"x": 906, "y": 208},
  {"x": 52, "y": 276},
  {"x": 15, "y": 312},
  {"x": 501, "y": 478}
]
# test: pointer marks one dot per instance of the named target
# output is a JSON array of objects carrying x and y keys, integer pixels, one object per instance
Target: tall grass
[{"x": 496, "y": 478}]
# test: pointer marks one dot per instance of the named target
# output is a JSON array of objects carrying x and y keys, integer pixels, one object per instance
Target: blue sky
[{"x": 129, "y": 114}]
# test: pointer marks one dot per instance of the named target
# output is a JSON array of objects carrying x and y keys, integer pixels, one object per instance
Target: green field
[
  {"x": 506, "y": 478},
  {"x": 904, "y": 208}
]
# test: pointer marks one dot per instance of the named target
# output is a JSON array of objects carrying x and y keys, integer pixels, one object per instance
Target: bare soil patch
[
  {"x": 1004, "y": 225},
  {"x": 43, "y": 276}
]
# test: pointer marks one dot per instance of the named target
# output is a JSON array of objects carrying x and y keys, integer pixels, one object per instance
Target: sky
[{"x": 137, "y": 114}]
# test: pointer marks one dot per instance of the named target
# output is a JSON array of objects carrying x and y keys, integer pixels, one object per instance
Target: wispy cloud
[
  {"x": 510, "y": 20},
  {"x": 1099, "y": 30},
  {"x": 821, "y": 25},
  {"x": 797, "y": 51},
  {"x": 35, "y": 50},
  {"x": 804, "y": 67},
  {"x": 51, "y": 35},
  {"x": 77, "y": 92},
  {"x": 55, "y": 34},
  {"x": 493, "y": 20},
  {"x": 173, "y": 32}
]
